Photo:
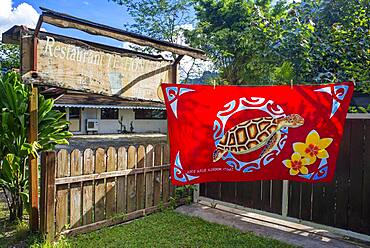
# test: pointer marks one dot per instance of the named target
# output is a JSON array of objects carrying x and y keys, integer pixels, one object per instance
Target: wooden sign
[{"x": 80, "y": 66}]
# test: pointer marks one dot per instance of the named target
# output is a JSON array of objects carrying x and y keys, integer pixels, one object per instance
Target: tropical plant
[{"x": 14, "y": 147}]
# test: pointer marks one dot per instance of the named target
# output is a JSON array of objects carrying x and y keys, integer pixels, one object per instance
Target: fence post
[
  {"x": 47, "y": 199},
  {"x": 285, "y": 198},
  {"x": 196, "y": 193}
]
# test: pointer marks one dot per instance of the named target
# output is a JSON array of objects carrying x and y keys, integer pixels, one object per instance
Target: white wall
[
  {"x": 108, "y": 126},
  {"x": 142, "y": 126},
  {"x": 91, "y": 113},
  {"x": 112, "y": 126},
  {"x": 88, "y": 113}
]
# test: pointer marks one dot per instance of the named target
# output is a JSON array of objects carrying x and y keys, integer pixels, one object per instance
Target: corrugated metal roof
[
  {"x": 82, "y": 100},
  {"x": 106, "y": 106}
]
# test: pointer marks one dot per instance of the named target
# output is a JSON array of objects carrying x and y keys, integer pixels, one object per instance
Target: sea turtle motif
[{"x": 251, "y": 135}]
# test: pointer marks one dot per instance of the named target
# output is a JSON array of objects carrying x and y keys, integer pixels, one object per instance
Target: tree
[
  {"x": 14, "y": 148},
  {"x": 9, "y": 56},
  {"x": 238, "y": 35},
  {"x": 335, "y": 37},
  {"x": 159, "y": 19},
  {"x": 255, "y": 42},
  {"x": 165, "y": 20}
]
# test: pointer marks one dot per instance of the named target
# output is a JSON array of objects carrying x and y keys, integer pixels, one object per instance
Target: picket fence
[{"x": 85, "y": 190}]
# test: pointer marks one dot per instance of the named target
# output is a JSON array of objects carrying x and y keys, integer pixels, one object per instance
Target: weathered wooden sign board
[{"x": 79, "y": 66}]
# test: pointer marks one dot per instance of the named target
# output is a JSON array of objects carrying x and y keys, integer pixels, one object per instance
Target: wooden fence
[
  {"x": 85, "y": 190},
  {"x": 343, "y": 203}
]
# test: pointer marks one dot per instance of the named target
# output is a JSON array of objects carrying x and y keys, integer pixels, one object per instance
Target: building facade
[{"x": 96, "y": 114}]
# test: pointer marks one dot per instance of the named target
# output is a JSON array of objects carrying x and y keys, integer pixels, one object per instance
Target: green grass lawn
[
  {"x": 163, "y": 229},
  {"x": 171, "y": 229}
]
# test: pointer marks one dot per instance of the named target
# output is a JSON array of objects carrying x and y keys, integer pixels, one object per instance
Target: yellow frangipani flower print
[
  {"x": 296, "y": 164},
  {"x": 314, "y": 147}
]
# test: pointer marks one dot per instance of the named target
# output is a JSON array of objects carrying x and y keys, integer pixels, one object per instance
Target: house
[{"x": 97, "y": 114}]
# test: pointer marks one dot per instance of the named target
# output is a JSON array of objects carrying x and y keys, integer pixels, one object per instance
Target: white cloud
[{"x": 23, "y": 14}]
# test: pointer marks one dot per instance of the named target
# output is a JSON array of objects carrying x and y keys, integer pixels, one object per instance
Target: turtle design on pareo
[{"x": 251, "y": 135}]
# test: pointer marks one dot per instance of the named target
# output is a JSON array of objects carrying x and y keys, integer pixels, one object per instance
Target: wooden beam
[
  {"x": 33, "y": 161},
  {"x": 110, "y": 174},
  {"x": 13, "y": 36},
  {"x": 67, "y": 21}
]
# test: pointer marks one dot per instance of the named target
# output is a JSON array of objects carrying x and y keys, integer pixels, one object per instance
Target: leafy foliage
[
  {"x": 9, "y": 56},
  {"x": 159, "y": 19},
  {"x": 335, "y": 34},
  {"x": 238, "y": 35},
  {"x": 359, "y": 109},
  {"x": 255, "y": 42},
  {"x": 14, "y": 147}
]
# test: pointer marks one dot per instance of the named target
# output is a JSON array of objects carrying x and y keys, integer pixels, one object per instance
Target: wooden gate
[
  {"x": 343, "y": 203},
  {"x": 86, "y": 190}
]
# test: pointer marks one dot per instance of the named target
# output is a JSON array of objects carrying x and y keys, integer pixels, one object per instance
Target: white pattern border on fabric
[
  {"x": 178, "y": 171},
  {"x": 172, "y": 95},
  {"x": 338, "y": 92}
]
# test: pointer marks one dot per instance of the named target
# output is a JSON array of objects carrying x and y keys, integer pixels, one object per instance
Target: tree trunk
[
  {"x": 20, "y": 208},
  {"x": 16, "y": 208},
  {"x": 12, "y": 209}
]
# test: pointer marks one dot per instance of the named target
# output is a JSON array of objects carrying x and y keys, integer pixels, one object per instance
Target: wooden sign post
[
  {"x": 33, "y": 137},
  {"x": 33, "y": 161}
]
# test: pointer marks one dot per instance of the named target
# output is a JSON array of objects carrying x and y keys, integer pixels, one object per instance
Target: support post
[
  {"x": 33, "y": 136},
  {"x": 196, "y": 193},
  {"x": 285, "y": 198},
  {"x": 174, "y": 68},
  {"x": 33, "y": 161}
]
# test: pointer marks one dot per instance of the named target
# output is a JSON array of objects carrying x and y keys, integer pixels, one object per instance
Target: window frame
[
  {"x": 150, "y": 114},
  {"x": 79, "y": 113},
  {"x": 116, "y": 112}
]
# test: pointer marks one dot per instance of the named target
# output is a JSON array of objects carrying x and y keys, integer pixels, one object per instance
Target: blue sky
[
  {"x": 101, "y": 11},
  {"x": 24, "y": 12}
]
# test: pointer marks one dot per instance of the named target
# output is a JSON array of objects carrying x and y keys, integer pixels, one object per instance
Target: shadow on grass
[{"x": 12, "y": 234}]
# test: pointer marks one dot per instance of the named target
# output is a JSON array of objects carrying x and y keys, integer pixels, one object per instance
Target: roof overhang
[
  {"x": 82, "y": 100},
  {"x": 106, "y": 106}
]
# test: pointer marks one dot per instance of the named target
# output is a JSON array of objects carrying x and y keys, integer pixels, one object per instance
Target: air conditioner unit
[{"x": 92, "y": 125}]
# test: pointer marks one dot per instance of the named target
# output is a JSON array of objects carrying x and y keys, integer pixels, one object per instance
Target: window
[
  {"x": 109, "y": 114},
  {"x": 74, "y": 119},
  {"x": 74, "y": 113},
  {"x": 150, "y": 114}
]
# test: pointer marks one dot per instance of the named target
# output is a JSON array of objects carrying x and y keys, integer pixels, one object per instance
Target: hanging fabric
[{"x": 235, "y": 133}]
